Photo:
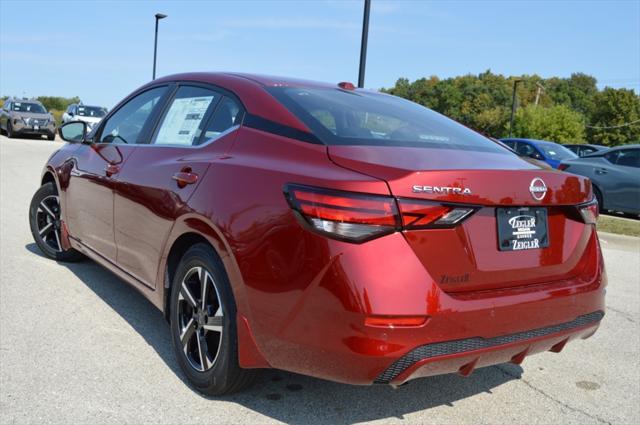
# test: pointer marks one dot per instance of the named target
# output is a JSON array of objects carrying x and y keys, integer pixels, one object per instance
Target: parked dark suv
[{"x": 26, "y": 117}]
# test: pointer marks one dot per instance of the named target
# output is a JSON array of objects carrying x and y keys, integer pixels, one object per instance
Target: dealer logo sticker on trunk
[{"x": 538, "y": 189}]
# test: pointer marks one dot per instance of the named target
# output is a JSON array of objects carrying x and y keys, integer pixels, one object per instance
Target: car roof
[
  {"x": 263, "y": 80},
  {"x": 36, "y": 101}
]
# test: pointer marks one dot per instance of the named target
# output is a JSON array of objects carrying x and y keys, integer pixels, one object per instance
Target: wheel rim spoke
[
  {"x": 202, "y": 352},
  {"x": 204, "y": 283},
  {"x": 215, "y": 323},
  {"x": 58, "y": 240},
  {"x": 46, "y": 209},
  {"x": 187, "y": 333},
  {"x": 46, "y": 229},
  {"x": 186, "y": 295}
]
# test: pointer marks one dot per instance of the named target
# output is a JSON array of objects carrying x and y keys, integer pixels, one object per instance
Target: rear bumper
[{"x": 465, "y": 355}]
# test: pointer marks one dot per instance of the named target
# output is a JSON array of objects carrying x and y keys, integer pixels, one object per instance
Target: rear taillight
[
  {"x": 350, "y": 216},
  {"x": 422, "y": 214},
  {"x": 589, "y": 212},
  {"x": 357, "y": 217},
  {"x": 563, "y": 167}
]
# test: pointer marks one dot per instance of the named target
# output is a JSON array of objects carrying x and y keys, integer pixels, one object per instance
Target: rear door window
[
  {"x": 183, "y": 122},
  {"x": 629, "y": 158}
]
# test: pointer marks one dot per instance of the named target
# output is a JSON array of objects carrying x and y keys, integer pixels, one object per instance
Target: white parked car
[{"x": 92, "y": 115}]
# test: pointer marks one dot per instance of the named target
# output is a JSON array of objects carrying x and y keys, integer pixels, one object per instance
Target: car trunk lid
[{"x": 467, "y": 257}]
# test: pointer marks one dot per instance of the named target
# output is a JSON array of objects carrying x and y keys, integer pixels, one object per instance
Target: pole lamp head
[{"x": 160, "y": 16}]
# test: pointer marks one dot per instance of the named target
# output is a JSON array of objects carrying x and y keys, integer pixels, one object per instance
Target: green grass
[{"x": 620, "y": 226}]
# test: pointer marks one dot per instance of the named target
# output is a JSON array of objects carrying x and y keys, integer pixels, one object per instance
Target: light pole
[
  {"x": 363, "y": 45},
  {"x": 513, "y": 106},
  {"x": 155, "y": 43}
]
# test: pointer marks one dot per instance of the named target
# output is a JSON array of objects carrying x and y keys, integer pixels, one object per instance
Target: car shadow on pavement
[{"x": 290, "y": 397}]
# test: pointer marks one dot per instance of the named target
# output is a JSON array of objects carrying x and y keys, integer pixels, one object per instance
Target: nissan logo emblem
[{"x": 538, "y": 189}]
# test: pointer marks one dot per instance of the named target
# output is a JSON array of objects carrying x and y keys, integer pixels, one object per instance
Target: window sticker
[{"x": 180, "y": 126}]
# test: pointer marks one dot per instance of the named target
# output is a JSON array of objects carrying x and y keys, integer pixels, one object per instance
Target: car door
[
  {"x": 89, "y": 195},
  {"x": 158, "y": 179},
  {"x": 624, "y": 177}
]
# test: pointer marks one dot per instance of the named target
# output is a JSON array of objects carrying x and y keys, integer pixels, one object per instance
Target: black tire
[
  {"x": 598, "y": 196},
  {"x": 219, "y": 373},
  {"x": 9, "y": 130},
  {"x": 50, "y": 137},
  {"x": 44, "y": 220}
]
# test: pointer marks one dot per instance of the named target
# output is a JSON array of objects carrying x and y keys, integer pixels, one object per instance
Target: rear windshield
[
  {"x": 28, "y": 107},
  {"x": 340, "y": 117},
  {"x": 91, "y": 111},
  {"x": 556, "y": 151}
]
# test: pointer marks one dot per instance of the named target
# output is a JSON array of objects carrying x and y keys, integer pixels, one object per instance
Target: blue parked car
[{"x": 542, "y": 150}]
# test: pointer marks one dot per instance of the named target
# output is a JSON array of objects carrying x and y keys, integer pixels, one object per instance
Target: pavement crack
[
  {"x": 622, "y": 313},
  {"x": 550, "y": 397}
]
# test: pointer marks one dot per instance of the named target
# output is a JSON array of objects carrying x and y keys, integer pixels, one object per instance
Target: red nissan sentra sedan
[{"x": 326, "y": 230}]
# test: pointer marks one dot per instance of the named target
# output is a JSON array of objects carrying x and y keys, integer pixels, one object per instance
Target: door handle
[
  {"x": 184, "y": 178},
  {"x": 601, "y": 171},
  {"x": 111, "y": 170}
]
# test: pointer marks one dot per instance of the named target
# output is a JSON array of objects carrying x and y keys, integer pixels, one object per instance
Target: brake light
[
  {"x": 563, "y": 167},
  {"x": 357, "y": 217},
  {"x": 420, "y": 214},
  {"x": 589, "y": 212},
  {"x": 349, "y": 216}
]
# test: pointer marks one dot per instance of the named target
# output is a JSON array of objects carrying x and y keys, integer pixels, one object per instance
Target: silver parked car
[
  {"x": 615, "y": 174},
  {"x": 26, "y": 117},
  {"x": 91, "y": 115}
]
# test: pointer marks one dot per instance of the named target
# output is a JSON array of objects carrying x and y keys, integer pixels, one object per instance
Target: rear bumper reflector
[{"x": 470, "y": 344}]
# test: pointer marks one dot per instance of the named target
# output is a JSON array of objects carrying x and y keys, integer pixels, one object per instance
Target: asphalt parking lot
[{"x": 77, "y": 345}]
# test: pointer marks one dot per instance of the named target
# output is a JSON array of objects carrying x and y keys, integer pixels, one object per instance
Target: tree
[
  {"x": 617, "y": 109},
  {"x": 558, "y": 124}
]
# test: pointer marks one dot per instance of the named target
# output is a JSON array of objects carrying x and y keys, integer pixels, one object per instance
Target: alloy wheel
[
  {"x": 48, "y": 222},
  {"x": 200, "y": 319}
]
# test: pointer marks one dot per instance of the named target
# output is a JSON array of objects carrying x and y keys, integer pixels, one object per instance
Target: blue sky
[{"x": 101, "y": 51}]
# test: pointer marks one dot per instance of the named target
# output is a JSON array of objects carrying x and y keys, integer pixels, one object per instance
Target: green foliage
[
  {"x": 564, "y": 106},
  {"x": 58, "y": 103},
  {"x": 615, "y": 107},
  {"x": 558, "y": 123}
]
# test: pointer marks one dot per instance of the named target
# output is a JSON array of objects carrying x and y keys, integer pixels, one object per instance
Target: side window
[
  {"x": 524, "y": 149},
  {"x": 228, "y": 114},
  {"x": 125, "y": 126},
  {"x": 184, "y": 121},
  {"x": 612, "y": 156},
  {"x": 629, "y": 158}
]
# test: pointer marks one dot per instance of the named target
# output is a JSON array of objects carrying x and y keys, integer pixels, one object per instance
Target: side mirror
[
  {"x": 70, "y": 113},
  {"x": 73, "y": 132}
]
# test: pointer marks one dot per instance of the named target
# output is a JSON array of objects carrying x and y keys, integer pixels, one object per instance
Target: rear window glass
[
  {"x": 91, "y": 111},
  {"x": 555, "y": 151},
  {"x": 340, "y": 117}
]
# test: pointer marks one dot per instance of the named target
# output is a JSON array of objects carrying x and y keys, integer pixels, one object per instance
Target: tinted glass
[
  {"x": 91, "y": 111},
  {"x": 228, "y": 115},
  {"x": 527, "y": 150},
  {"x": 184, "y": 121},
  {"x": 612, "y": 156},
  {"x": 556, "y": 151},
  {"x": 125, "y": 126},
  {"x": 340, "y": 117},
  {"x": 629, "y": 158},
  {"x": 28, "y": 107}
]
